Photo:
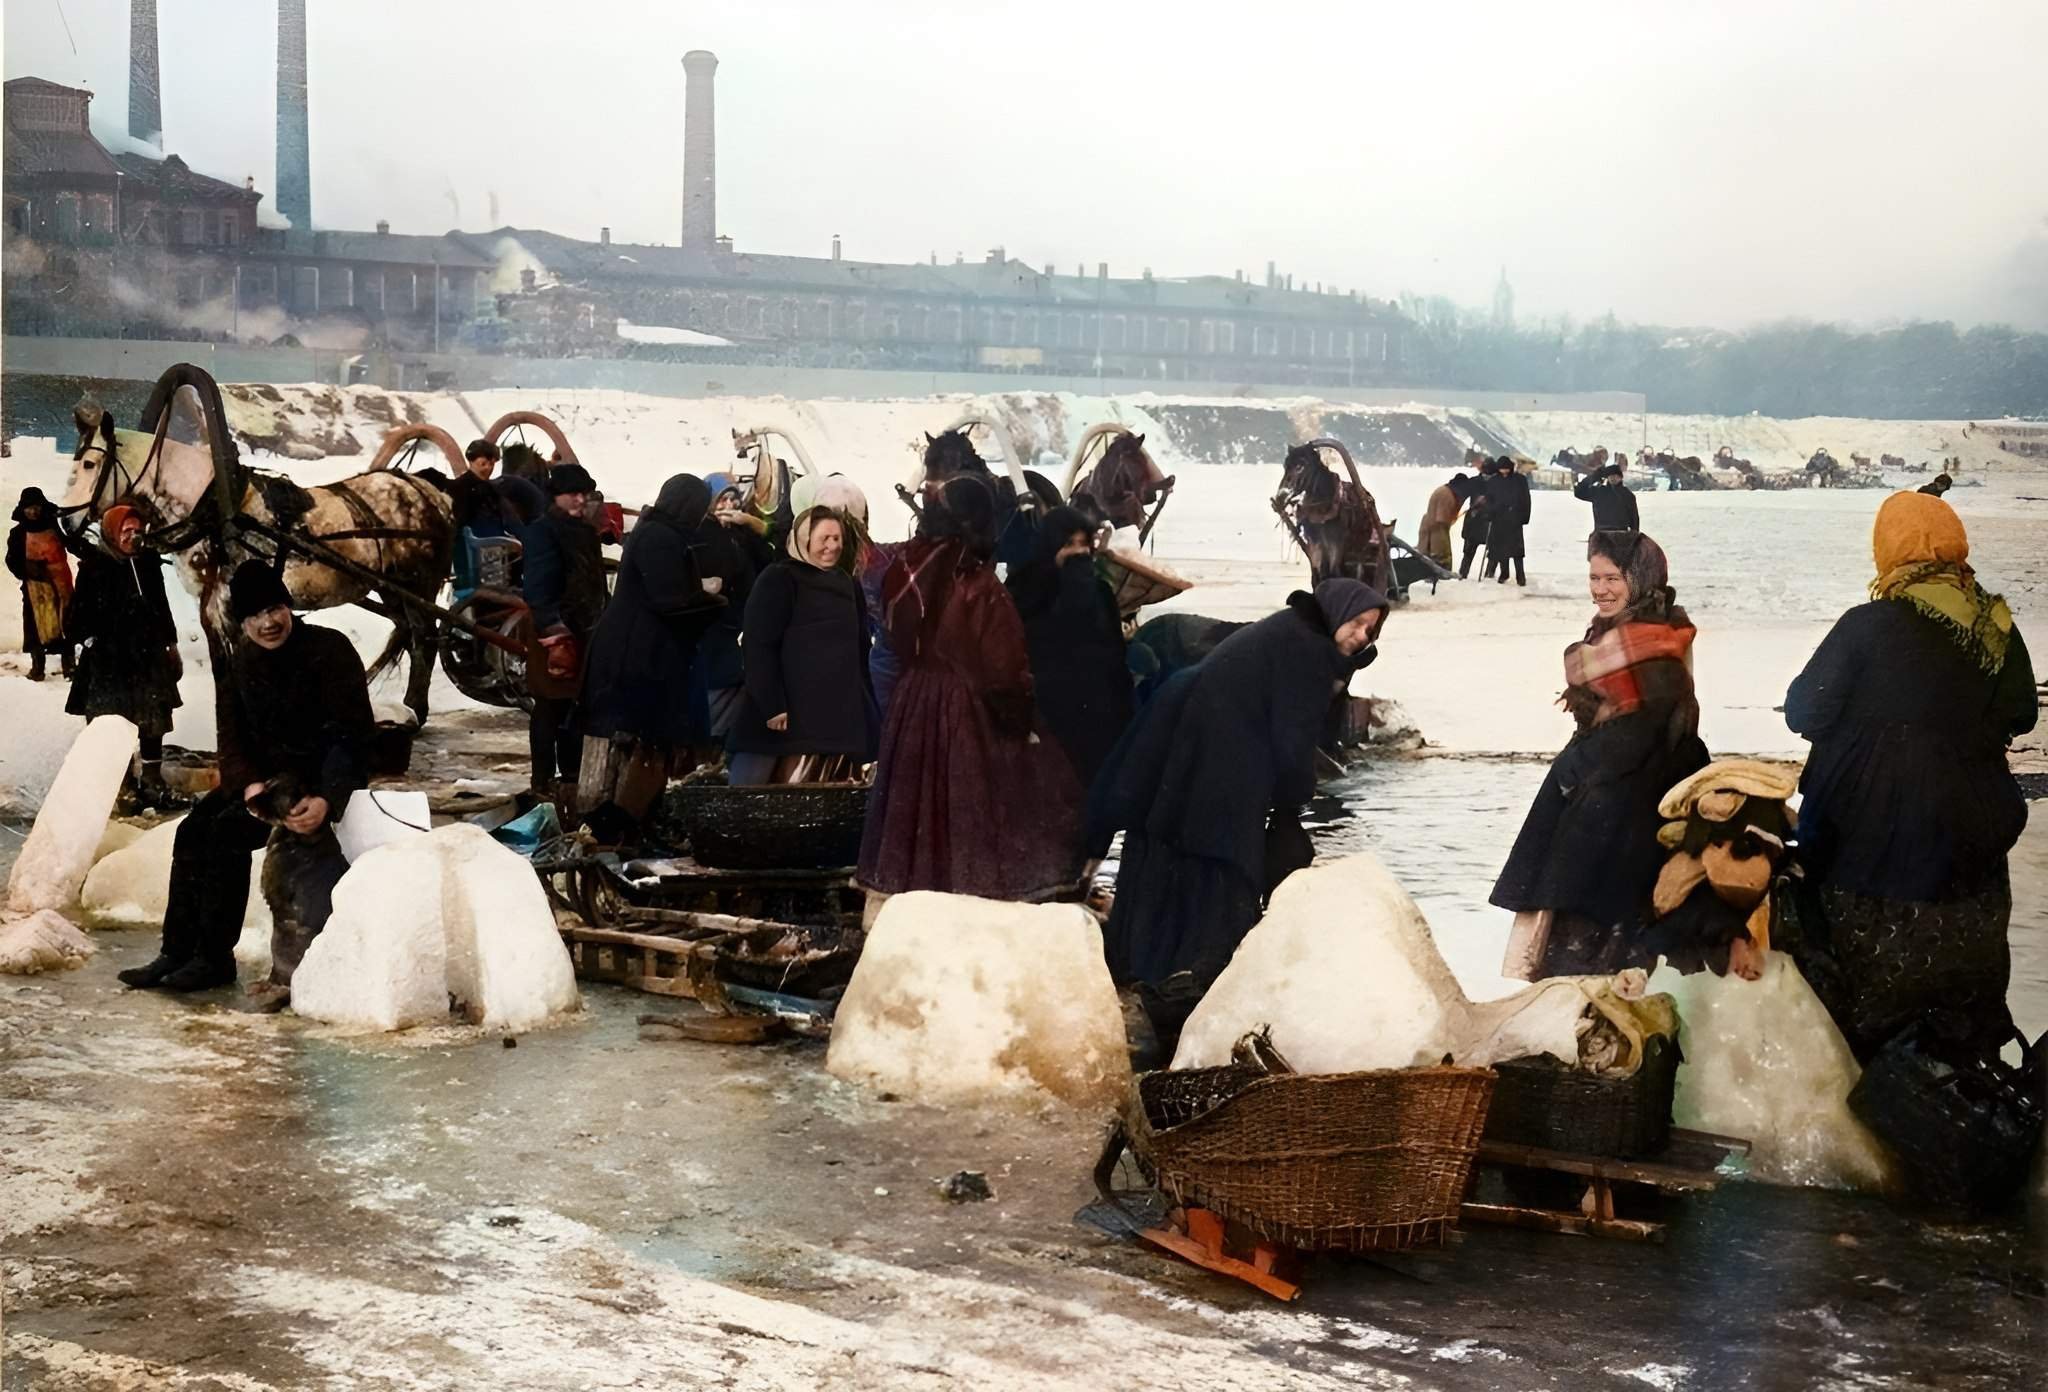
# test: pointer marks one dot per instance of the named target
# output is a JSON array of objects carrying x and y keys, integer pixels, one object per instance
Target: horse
[
  {"x": 1581, "y": 465},
  {"x": 182, "y": 472},
  {"x": 1123, "y": 483},
  {"x": 1334, "y": 521}
]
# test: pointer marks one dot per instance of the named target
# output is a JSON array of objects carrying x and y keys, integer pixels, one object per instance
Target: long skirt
[
  {"x": 1175, "y": 913},
  {"x": 1878, "y": 964}
]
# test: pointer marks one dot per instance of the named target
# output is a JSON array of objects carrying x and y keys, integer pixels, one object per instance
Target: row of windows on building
[
  {"x": 310, "y": 289},
  {"x": 89, "y": 218},
  {"x": 831, "y": 317}
]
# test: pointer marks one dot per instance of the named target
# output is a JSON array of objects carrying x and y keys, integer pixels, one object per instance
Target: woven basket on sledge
[
  {"x": 1548, "y": 1104},
  {"x": 1348, "y": 1162},
  {"x": 775, "y": 826}
]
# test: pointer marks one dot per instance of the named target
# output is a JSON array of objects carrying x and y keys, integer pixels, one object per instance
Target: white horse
[{"x": 182, "y": 472}]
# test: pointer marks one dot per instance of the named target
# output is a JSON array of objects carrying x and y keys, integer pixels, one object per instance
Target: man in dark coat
[
  {"x": 35, "y": 557},
  {"x": 1478, "y": 515},
  {"x": 1614, "y": 506},
  {"x": 295, "y": 732},
  {"x": 1507, "y": 503},
  {"x": 1076, "y": 639},
  {"x": 1209, "y": 780},
  {"x": 1936, "y": 486},
  {"x": 638, "y": 678},
  {"x": 564, "y": 583},
  {"x": 128, "y": 663}
]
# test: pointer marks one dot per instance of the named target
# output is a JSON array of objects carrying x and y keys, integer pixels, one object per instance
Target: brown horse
[
  {"x": 1123, "y": 483},
  {"x": 1334, "y": 521},
  {"x": 183, "y": 473}
]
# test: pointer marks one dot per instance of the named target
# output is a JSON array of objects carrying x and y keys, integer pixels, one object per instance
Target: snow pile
[
  {"x": 963, "y": 1000},
  {"x": 73, "y": 817},
  {"x": 42, "y": 941},
  {"x": 1344, "y": 969},
  {"x": 447, "y": 915},
  {"x": 1765, "y": 1062},
  {"x": 131, "y": 885}
]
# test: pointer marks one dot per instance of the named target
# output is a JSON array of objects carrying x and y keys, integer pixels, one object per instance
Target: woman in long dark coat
[
  {"x": 807, "y": 714},
  {"x": 1909, "y": 807},
  {"x": 1226, "y": 750},
  {"x": 1507, "y": 513},
  {"x": 128, "y": 663},
  {"x": 636, "y": 684},
  {"x": 968, "y": 798},
  {"x": 1580, "y": 874},
  {"x": 1076, "y": 639}
]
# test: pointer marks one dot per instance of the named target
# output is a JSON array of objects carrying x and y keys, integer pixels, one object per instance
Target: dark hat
[
  {"x": 254, "y": 588},
  {"x": 570, "y": 478},
  {"x": 481, "y": 449},
  {"x": 30, "y": 497}
]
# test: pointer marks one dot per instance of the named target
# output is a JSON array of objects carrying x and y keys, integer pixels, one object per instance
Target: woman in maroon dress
[{"x": 968, "y": 798}]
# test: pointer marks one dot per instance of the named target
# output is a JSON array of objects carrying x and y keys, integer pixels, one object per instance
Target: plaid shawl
[{"x": 1627, "y": 667}]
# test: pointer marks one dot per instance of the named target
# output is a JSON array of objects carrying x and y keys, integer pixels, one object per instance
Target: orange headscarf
[
  {"x": 1922, "y": 555},
  {"x": 1916, "y": 529}
]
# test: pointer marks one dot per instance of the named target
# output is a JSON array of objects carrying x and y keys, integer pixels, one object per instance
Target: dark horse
[
  {"x": 1123, "y": 483},
  {"x": 950, "y": 454},
  {"x": 1335, "y": 521}
]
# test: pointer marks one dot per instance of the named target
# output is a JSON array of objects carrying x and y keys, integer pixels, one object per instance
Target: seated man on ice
[{"x": 295, "y": 731}]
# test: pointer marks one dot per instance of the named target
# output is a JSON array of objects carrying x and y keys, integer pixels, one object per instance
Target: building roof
[
  {"x": 68, "y": 154},
  {"x": 40, "y": 84},
  {"x": 172, "y": 176},
  {"x": 390, "y": 248}
]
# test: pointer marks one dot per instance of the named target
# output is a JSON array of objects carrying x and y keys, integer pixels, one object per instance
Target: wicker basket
[
  {"x": 1348, "y": 1162},
  {"x": 775, "y": 826},
  {"x": 1543, "y": 1102}
]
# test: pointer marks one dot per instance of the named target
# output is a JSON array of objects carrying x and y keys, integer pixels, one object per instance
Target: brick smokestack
[
  {"x": 700, "y": 153},
  {"x": 294, "y": 158},
  {"x": 145, "y": 100}
]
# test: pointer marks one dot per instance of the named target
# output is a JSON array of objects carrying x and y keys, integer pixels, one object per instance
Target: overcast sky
[{"x": 1682, "y": 163}]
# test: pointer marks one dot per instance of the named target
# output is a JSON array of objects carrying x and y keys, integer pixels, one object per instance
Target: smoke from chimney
[
  {"x": 145, "y": 101},
  {"x": 700, "y": 152},
  {"x": 294, "y": 156}
]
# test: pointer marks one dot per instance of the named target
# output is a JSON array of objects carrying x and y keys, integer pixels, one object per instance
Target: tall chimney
[
  {"x": 700, "y": 153},
  {"x": 145, "y": 102},
  {"x": 294, "y": 159},
  {"x": 835, "y": 250}
]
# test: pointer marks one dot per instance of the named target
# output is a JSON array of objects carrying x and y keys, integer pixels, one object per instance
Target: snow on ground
[
  {"x": 664, "y": 335},
  {"x": 1771, "y": 444}
]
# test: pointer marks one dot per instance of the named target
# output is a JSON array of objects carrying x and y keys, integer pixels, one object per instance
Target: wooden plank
[
  {"x": 1662, "y": 1175},
  {"x": 1549, "y": 1220},
  {"x": 1212, "y": 1256},
  {"x": 615, "y": 937}
]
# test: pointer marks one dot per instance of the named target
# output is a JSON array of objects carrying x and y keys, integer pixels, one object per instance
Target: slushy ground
[{"x": 194, "y": 1198}]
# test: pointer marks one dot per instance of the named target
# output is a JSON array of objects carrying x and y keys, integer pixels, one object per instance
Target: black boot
[
  {"x": 201, "y": 974},
  {"x": 150, "y": 975}
]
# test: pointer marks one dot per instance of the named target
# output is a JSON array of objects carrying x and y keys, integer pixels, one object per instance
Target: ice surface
[
  {"x": 60, "y": 846},
  {"x": 1344, "y": 970},
  {"x": 416, "y": 922},
  {"x": 964, "y": 1000},
  {"x": 41, "y": 941},
  {"x": 129, "y": 888},
  {"x": 1764, "y": 1061}
]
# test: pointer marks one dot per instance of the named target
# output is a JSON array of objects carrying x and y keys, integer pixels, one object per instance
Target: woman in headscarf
[
  {"x": 806, "y": 715},
  {"x": 1580, "y": 874},
  {"x": 1208, "y": 782},
  {"x": 128, "y": 662},
  {"x": 1909, "y": 806},
  {"x": 967, "y": 799},
  {"x": 871, "y": 562},
  {"x": 1076, "y": 639},
  {"x": 35, "y": 557},
  {"x": 635, "y": 691}
]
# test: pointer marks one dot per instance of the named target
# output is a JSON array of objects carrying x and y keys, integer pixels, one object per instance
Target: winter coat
[
  {"x": 806, "y": 650},
  {"x": 127, "y": 663},
  {"x": 965, "y": 799},
  {"x": 1434, "y": 538},
  {"x": 1614, "y": 506},
  {"x": 1588, "y": 846},
  {"x": 301, "y": 709},
  {"x": 637, "y": 678},
  {"x": 735, "y": 557},
  {"x": 1478, "y": 515},
  {"x": 51, "y": 567},
  {"x": 1078, "y": 675},
  {"x": 1507, "y": 503},
  {"x": 1907, "y": 794},
  {"x": 563, "y": 574},
  {"x": 884, "y": 667},
  {"x": 1197, "y": 779}
]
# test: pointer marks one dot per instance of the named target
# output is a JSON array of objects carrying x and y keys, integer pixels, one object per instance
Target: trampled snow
[
  {"x": 41, "y": 941},
  {"x": 964, "y": 1000},
  {"x": 418, "y": 922}
]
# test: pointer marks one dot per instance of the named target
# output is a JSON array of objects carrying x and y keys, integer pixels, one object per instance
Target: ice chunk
[
  {"x": 447, "y": 914},
  {"x": 1344, "y": 969},
  {"x": 378, "y": 817},
  {"x": 962, "y": 1000},
  {"x": 130, "y": 887},
  {"x": 116, "y": 836},
  {"x": 41, "y": 941},
  {"x": 73, "y": 817},
  {"x": 1764, "y": 1061}
]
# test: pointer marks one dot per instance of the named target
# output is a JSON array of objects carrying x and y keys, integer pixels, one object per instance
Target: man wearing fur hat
[{"x": 295, "y": 731}]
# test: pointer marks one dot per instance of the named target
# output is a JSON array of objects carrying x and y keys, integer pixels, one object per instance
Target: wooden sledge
[
  {"x": 1199, "y": 1236},
  {"x": 1690, "y": 1164}
]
